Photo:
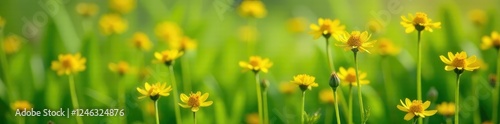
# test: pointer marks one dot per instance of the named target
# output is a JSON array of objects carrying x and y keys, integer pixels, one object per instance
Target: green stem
[
  {"x": 330, "y": 61},
  {"x": 194, "y": 117},
  {"x": 419, "y": 71},
  {"x": 302, "y": 111},
  {"x": 266, "y": 114},
  {"x": 121, "y": 95},
  {"x": 74, "y": 98},
  {"x": 496, "y": 91},
  {"x": 415, "y": 120},
  {"x": 259, "y": 98},
  {"x": 350, "y": 121},
  {"x": 176, "y": 95},
  {"x": 360, "y": 96},
  {"x": 457, "y": 100},
  {"x": 476, "y": 115},
  {"x": 389, "y": 86},
  {"x": 156, "y": 112},
  {"x": 336, "y": 106},
  {"x": 4, "y": 63},
  {"x": 448, "y": 120},
  {"x": 186, "y": 80},
  {"x": 328, "y": 114}
]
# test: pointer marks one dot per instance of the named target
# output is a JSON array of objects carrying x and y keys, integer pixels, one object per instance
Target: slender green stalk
[
  {"x": 419, "y": 71},
  {"x": 328, "y": 114},
  {"x": 302, "y": 111},
  {"x": 360, "y": 96},
  {"x": 330, "y": 61},
  {"x": 457, "y": 100},
  {"x": 74, "y": 98},
  {"x": 496, "y": 91},
  {"x": 259, "y": 98},
  {"x": 415, "y": 120},
  {"x": 4, "y": 63},
  {"x": 266, "y": 114},
  {"x": 156, "y": 112},
  {"x": 186, "y": 80},
  {"x": 121, "y": 96},
  {"x": 194, "y": 117},
  {"x": 178, "y": 117},
  {"x": 350, "y": 121},
  {"x": 476, "y": 115},
  {"x": 389, "y": 86},
  {"x": 336, "y": 106}
]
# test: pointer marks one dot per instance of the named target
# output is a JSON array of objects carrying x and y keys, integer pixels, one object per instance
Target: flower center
[
  {"x": 354, "y": 41},
  {"x": 496, "y": 42},
  {"x": 254, "y": 63},
  {"x": 67, "y": 63},
  {"x": 459, "y": 62},
  {"x": 416, "y": 107},
  {"x": 350, "y": 78},
  {"x": 193, "y": 101},
  {"x": 420, "y": 19},
  {"x": 325, "y": 29}
]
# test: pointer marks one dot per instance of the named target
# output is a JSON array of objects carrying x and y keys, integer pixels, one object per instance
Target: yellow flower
[
  {"x": 446, "y": 109},
  {"x": 183, "y": 44},
  {"x": 252, "y": 9},
  {"x": 420, "y": 22},
  {"x": 459, "y": 61},
  {"x": 11, "y": 44},
  {"x": 386, "y": 47},
  {"x": 168, "y": 31},
  {"x": 252, "y": 118},
  {"x": 21, "y": 105},
  {"x": 326, "y": 28},
  {"x": 154, "y": 91},
  {"x": 87, "y": 9},
  {"x": 348, "y": 77},
  {"x": 326, "y": 96},
  {"x": 121, "y": 67},
  {"x": 287, "y": 88},
  {"x": 355, "y": 40},
  {"x": 374, "y": 26},
  {"x": 122, "y": 6},
  {"x": 296, "y": 25},
  {"x": 248, "y": 33},
  {"x": 195, "y": 101},
  {"x": 168, "y": 56},
  {"x": 304, "y": 81},
  {"x": 478, "y": 17},
  {"x": 415, "y": 108},
  {"x": 112, "y": 24},
  {"x": 2, "y": 22},
  {"x": 493, "y": 41},
  {"x": 69, "y": 64},
  {"x": 256, "y": 64},
  {"x": 141, "y": 41}
]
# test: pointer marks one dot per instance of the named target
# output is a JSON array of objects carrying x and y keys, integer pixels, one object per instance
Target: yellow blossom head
[
  {"x": 2, "y": 22},
  {"x": 287, "y": 88},
  {"x": 296, "y": 25},
  {"x": 415, "y": 109},
  {"x": 184, "y": 44},
  {"x": 87, "y": 9},
  {"x": 69, "y": 64},
  {"x": 478, "y": 17},
  {"x": 386, "y": 47},
  {"x": 419, "y": 22},
  {"x": 167, "y": 57},
  {"x": 326, "y": 28},
  {"x": 256, "y": 64},
  {"x": 121, "y": 67},
  {"x": 348, "y": 77},
  {"x": 252, "y": 9},
  {"x": 446, "y": 109},
  {"x": 326, "y": 96},
  {"x": 304, "y": 81},
  {"x": 122, "y": 6},
  {"x": 491, "y": 41},
  {"x": 195, "y": 100},
  {"x": 374, "y": 26},
  {"x": 21, "y": 105},
  {"x": 112, "y": 24},
  {"x": 168, "y": 31},
  {"x": 355, "y": 41},
  {"x": 11, "y": 44},
  {"x": 154, "y": 91},
  {"x": 459, "y": 62},
  {"x": 141, "y": 41},
  {"x": 248, "y": 33}
]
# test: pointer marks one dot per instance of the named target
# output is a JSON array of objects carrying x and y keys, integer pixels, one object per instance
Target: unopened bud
[
  {"x": 334, "y": 81},
  {"x": 492, "y": 79},
  {"x": 264, "y": 84},
  {"x": 432, "y": 94}
]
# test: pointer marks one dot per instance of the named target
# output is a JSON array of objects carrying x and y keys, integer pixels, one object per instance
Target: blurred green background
[{"x": 48, "y": 28}]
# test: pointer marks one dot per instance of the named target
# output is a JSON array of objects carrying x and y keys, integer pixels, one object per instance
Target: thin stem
[
  {"x": 457, "y": 100},
  {"x": 419, "y": 71},
  {"x": 496, "y": 91},
  {"x": 186, "y": 80},
  {"x": 415, "y": 120},
  {"x": 336, "y": 106},
  {"x": 156, "y": 112},
  {"x": 477, "y": 116},
  {"x": 194, "y": 117},
  {"x": 350, "y": 121},
  {"x": 360, "y": 96},
  {"x": 302, "y": 111},
  {"x": 266, "y": 114},
  {"x": 328, "y": 52},
  {"x": 4, "y": 63},
  {"x": 74, "y": 98},
  {"x": 176, "y": 95},
  {"x": 259, "y": 98},
  {"x": 328, "y": 114},
  {"x": 389, "y": 86}
]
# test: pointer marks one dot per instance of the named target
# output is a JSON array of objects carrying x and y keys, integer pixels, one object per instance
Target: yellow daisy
[
  {"x": 87, "y": 9},
  {"x": 112, "y": 24},
  {"x": 185, "y": 43},
  {"x": 167, "y": 57},
  {"x": 419, "y": 22},
  {"x": 141, "y": 41},
  {"x": 195, "y": 101},
  {"x": 122, "y": 6},
  {"x": 478, "y": 17},
  {"x": 459, "y": 61},
  {"x": 355, "y": 40},
  {"x": 348, "y": 77},
  {"x": 386, "y": 47},
  {"x": 11, "y": 44},
  {"x": 121, "y": 67},
  {"x": 326, "y": 28},
  {"x": 492, "y": 41},
  {"x": 326, "y": 96},
  {"x": 154, "y": 91},
  {"x": 168, "y": 31},
  {"x": 69, "y": 64},
  {"x": 304, "y": 81},
  {"x": 296, "y": 25},
  {"x": 21, "y": 105},
  {"x": 252, "y": 9},
  {"x": 256, "y": 64},
  {"x": 446, "y": 109},
  {"x": 415, "y": 109}
]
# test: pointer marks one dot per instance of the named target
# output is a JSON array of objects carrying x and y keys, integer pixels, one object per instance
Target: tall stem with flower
[{"x": 168, "y": 57}]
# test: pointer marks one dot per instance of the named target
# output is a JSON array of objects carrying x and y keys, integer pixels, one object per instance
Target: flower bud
[
  {"x": 264, "y": 84},
  {"x": 334, "y": 81},
  {"x": 432, "y": 94},
  {"x": 492, "y": 78}
]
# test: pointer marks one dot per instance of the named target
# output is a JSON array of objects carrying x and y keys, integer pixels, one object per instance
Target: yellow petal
[
  {"x": 184, "y": 98},
  {"x": 472, "y": 59},
  {"x": 409, "y": 29},
  {"x": 451, "y": 56},
  {"x": 158, "y": 56},
  {"x": 444, "y": 59},
  {"x": 184, "y": 106},
  {"x": 195, "y": 109},
  {"x": 204, "y": 97},
  {"x": 409, "y": 116},
  {"x": 449, "y": 68},
  {"x": 426, "y": 105},
  {"x": 429, "y": 112},
  {"x": 208, "y": 103},
  {"x": 402, "y": 108}
]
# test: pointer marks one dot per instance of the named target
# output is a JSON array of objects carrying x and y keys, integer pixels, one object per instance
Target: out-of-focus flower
[
  {"x": 419, "y": 22},
  {"x": 69, "y": 64},
  {"x": 326, "y": 28},
  {"x": 154, "y": 91},
  {"x": 374, "y": 26},
  {"x": 492, "y": 41},
  {"x": 252, "y": 118},
  {"x": 112, "y": 24},
  {"x": 386, "y": 47},
  {"x": 11, "y": 44},
  {"x": 415, "y": 108},
  {"x": 326, "y": 96},
  {"x": 248, "y": 33},
  {"x": 87, "y": 9},
  {"x": 195, "y": 101},
  {"x": 21, "y": 105},
  {"x": 304, "y": 81},
  {"x": 184, "y": 44},
  {"x": 478, "y": 17},
  {"x": 141, "y": 41},
  {"x": 122, "y": 6},
  {"x": 2, "y": 22},
  {"x": 252, "y": 9},
  {"x": 296, "y": 25},
  {"x": 459, "y": 61},
  {"x": 256, "y": 64},
  {"x": 348, "y": 77},
  {"x": 446, "y": 109},
  {"x": 167, "y": 57},
  {"x": 121, "y": 67},
  {"x": 355, "y": 40},
  {"x": 287, "y": 88},
  {"x": 168, "y": 31}
]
